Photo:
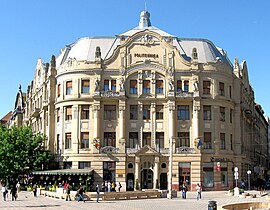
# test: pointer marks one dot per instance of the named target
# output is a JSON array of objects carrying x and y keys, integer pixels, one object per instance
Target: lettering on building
[{"x": 145, "y": 55}]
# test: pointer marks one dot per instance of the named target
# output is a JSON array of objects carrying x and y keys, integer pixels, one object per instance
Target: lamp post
[
  {"x": 236, "y": 189},
  {"x": 170, "y": 170},
  {"x": 248, "y": 173}
]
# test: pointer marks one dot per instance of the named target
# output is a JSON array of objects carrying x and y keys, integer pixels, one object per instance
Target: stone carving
[
  {"x": 97, "y": 85},
  {"x": 122, "y": 84},
  {"x": 171, "y": 85},
  {"x": 196, "y": 85}
]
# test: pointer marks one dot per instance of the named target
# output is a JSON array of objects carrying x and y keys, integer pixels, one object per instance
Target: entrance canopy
[{"x": 87, "y": 171}]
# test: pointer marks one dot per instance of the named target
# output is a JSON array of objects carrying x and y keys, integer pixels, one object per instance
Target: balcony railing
[
  {"x": 184, "y": 150},
  {"x": 109, "y": 150}
]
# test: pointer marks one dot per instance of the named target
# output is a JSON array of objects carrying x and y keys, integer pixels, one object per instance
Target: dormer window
[{"x": 194, "y": 54}]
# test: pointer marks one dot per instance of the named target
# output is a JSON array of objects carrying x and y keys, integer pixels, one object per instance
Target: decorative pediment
[{"x": 147, "y": 150}]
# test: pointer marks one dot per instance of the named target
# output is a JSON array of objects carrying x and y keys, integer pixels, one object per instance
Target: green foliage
[
  {"x": 21, "y": 151},
  {"x": 137, "y": 184}
]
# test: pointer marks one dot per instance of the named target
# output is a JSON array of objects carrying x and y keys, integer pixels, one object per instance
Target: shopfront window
[
  {"x": 224, "y": 175},
  {"x": 208, "y": 175}
]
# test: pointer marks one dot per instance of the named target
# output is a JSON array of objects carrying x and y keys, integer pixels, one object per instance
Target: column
[
  {"x": 137, "y": 171},
  {"x": 195, "y": 123},
  {"x": 75, "y": 129},
  {"x": 121, "y": 132},
  {"x": 96, "y": 110},
  {"x": 156, "y": 172},
  {"x": 171, "y": 136}
]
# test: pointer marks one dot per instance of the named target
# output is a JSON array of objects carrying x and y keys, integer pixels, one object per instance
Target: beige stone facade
[{"x": 114, "y": 104}]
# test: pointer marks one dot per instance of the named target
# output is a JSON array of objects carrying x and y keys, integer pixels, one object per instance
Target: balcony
[
  {"x": 108, "y": 150},
  {"x": 132, "y": 150},
  {"x": 184, "y": 95},
  {"x": 111, "y": 94},
  {"x": 184, "y": 150}
]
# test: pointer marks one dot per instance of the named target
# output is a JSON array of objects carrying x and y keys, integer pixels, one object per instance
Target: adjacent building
[{"x": 149, "y": 110}]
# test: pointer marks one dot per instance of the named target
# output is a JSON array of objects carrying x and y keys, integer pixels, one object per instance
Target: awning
[{"x": 86, "y": 171}]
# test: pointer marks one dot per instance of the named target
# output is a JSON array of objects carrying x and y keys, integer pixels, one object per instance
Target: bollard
[{"x": 212, "y": 205}]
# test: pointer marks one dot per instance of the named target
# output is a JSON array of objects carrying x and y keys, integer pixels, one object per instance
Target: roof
[
  {"x": 6, "y": 118},
  {"x": 84, "y": 49},
  {"x": 86, "y": 171}
]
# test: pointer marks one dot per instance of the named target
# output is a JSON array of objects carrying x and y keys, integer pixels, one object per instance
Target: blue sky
[{"x": 33, "y": 29}]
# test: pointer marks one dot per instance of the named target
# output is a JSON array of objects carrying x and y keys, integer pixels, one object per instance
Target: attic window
[
  {"x": 194, "y": 54},
  {"x": 98, "y": 52}
]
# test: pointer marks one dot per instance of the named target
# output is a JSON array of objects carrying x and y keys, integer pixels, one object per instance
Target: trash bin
[{"x": 212, "y": 205}]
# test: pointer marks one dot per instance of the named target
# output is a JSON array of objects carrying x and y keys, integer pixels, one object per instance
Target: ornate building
[{"x": 146, "y": 109}]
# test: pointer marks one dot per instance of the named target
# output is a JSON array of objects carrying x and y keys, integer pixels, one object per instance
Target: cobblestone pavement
[{"x": 28, "y": 202}]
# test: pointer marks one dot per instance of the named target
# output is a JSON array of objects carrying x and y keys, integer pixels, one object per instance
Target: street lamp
[
  {"x": 248, "y": 173},
  {"x": 236, "y": 189}
]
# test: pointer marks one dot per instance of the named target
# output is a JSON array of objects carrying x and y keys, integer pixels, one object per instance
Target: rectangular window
[
  {"x": 85, "y": 112},
  {"x": 133, "y": 140},
  {"x": 84, "y": 140},
  {"x": 230, "y": 91},
  {"x": 109, "y": 139},
  {"x": 133, "y": 87},
  {"x": 159, "y": 140},
  {"x": 222, "y": 141},
  {"x": 58, "y": 90},
  {"x": 146, "y": 112},
  {"x": 83, "y": 165},
  {"x": 85, "y": 86},
  {"x": 109, "y": 112},
  {"x": 113, "y": 85},
  {"x": 68, "y": 87},
  {"x": 231, "y": 140},
  {"x": 109, "y": 171},
  {"x": 206, "y": 87},
  {"x": 182, "y": 112},
  {"x": 159, "y": 87},
  {"x": 159, "y": 112},
  {"x": 183, "y": 140},
  {"x": 68, "y": 113},
  {"x": 186, "y": 85},
  {"x": 58, "y": 115},
  {"x": 146, "y": 138},
  {"x": 133, "y": 114},
  {"x": 106, "y": 85},
  {"x": 207, "y": 112},
  {"x": 207, "y": 140},
  {"x": 231, "y": 111},
  {"x": 146, "y": 86},
  {"x": 58, "y": 151},
  {"x": 179, "y": 86},
  {"x": 68, "y": 141},
  {"x": 222, "y": 113},
  {"x": 221, "y": 89}
]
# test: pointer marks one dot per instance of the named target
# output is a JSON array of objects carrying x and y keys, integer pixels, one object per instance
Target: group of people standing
[
  {"x": 15, "y": 188},
  {"x": 108, "y": 186},
  {"x": 198, "y": 188}
]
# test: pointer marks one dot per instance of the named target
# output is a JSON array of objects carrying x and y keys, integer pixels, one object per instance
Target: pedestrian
[
  {"x": 109, "y": 186},
  {"x": 184, "y": 191},
  {"x": 80, "y": 194},
  {"x": 119, "y": 187},
  {"x": 113, "y": 187},
  {"x": 13, "y": 193},
  {"x": 18, "y": 186},
  {"x": 35, "y": 190},
  {"x": 199, "y": 191},
  {"x": 4, "y": 191},
  {"x": 97, "y": 190},
  {"x": 68, "y": 189}
]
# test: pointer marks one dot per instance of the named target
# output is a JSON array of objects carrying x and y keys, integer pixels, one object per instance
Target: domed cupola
[{"x": 144, "y": 20}]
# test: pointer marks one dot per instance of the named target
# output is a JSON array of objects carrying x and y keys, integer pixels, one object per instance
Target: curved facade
[{"x": 121, "y": 105}]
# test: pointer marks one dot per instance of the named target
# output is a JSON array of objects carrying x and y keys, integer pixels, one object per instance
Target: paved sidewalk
[{"x": 28, "y": 202}]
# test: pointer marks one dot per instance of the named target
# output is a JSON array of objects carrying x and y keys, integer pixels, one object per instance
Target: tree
[{"x": 21, "y": 152}]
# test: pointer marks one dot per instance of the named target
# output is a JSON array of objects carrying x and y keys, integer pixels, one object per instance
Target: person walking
[
  {"x": 35, "y": 190},
  {"x": 119, "y": 187},
  {"x": 97, "y": 190},
  {"x": 13, "y": 193},
  {"x": 109, "y": 186},
  {"x": 184, "y": 191},
  {"x": 80, "y": 194},
  {"x": 68, "y": 189},
  {"x": 199, "y": 191},
  {"x": 4, "y": 191}
]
